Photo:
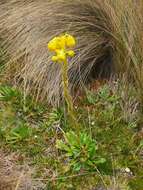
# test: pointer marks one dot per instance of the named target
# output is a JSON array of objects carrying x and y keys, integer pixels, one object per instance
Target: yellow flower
[
  {"x": 54, "y": 58},
  {"x": 59, "y": 45},
  {"x": 71, "y": 53}
]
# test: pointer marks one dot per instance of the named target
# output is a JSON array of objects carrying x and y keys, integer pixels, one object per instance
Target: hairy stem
[{"x": 67, "y": 96}]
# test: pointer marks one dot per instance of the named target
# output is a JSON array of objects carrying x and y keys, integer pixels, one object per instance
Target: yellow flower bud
[
  {"x": 54, "y": 58},
  {"x": 52, "y": 45},
  {"x": 61, "y": 55},
  {"x": 62, "y": 42},
  {"x": 70, "y": 41},
  {"x": 70, "y": 53}
]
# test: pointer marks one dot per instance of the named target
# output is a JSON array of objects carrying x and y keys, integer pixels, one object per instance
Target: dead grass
[{"x": 14, "y": 176}]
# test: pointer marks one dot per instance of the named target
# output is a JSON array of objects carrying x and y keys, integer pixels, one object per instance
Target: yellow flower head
[{"x": 60, "y": 45}]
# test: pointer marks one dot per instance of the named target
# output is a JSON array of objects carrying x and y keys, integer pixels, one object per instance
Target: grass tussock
[{"x": 109, "y": 36}]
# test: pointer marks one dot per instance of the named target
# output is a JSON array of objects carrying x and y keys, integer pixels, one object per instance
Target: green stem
[{"x": 67, "y": 96}]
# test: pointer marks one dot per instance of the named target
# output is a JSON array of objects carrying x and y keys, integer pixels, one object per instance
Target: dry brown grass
[
  {"x": 109, "y": 39},
  {"x": 14, "y": 176},
  {"x": 11, "y": 177}
]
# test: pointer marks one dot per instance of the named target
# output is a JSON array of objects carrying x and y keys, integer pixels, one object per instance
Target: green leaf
[
  {"x": 18, "y": 134},
  {"x": 100, "y": 161},
  {"x": 141, "y": 144},
  {"x": 71, "y": 138},
  {"x": 77, "y": 167},
  {"x": 91, "y": 97},
  {"x": 7, "y": 93},
  {"x": 22, "y": 131},
  {"x": 62, "y": 146},
  {"x": 104, "y": 92}
]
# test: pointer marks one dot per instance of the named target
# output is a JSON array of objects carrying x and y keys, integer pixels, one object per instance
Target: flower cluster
[{"x": 60, "y": 45}]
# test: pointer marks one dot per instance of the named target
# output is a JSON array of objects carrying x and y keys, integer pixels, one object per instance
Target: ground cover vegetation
[{"x": 105, "y": 154}]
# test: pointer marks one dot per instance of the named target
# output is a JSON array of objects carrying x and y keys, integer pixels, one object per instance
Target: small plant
[
  {"x": 7, "y": 93},
  {"x": 18, "y": 134},
  {"x": 80, "y": 151},
  {"x": 55, "y": 117},
  {"x": 104, "y": 95},
  {"x": 60, "y": 46}
]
